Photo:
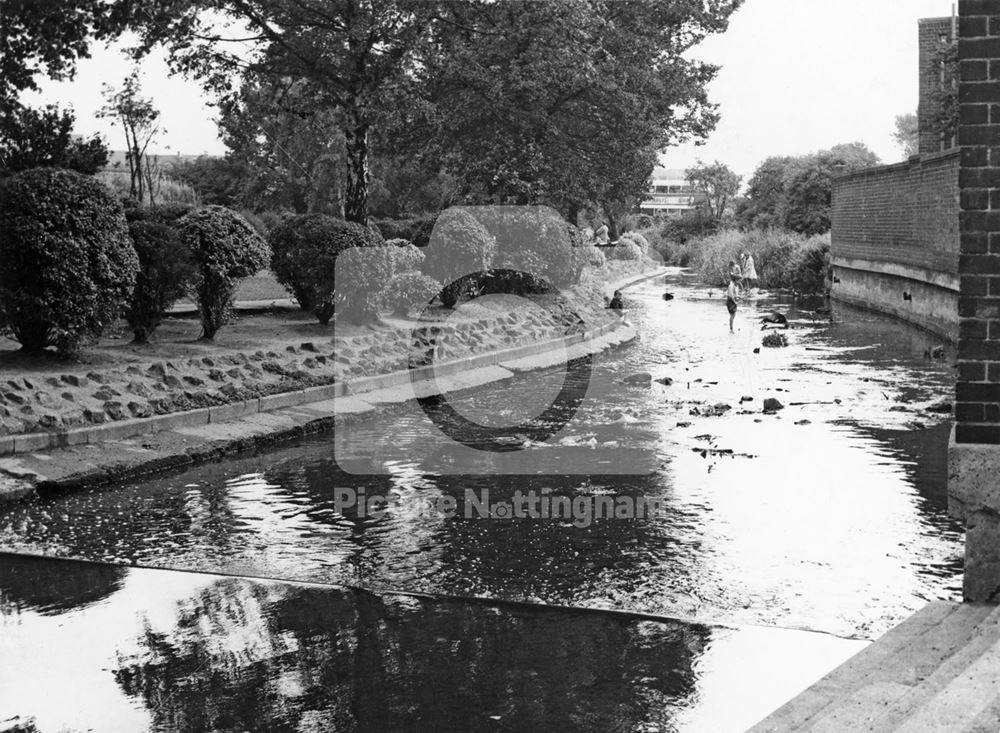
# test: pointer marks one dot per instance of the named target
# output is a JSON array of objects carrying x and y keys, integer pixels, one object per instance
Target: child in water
[
  {"x": 732, "y": 293},
  {"x": 618, "y": 304}
]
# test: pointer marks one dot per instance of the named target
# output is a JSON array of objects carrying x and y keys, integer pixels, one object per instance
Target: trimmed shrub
[
  {"x": 594, "y": 257},
  {"x": 225, "y": 249},
  {"x": 304, "y": 251},
  {"x": 363, "y": 271},
  {"x": 409, "y": 290},
  {"x": 405, "y": 257},
  {"x": 67, "y": 265},
  {"x": 535, "y": 250},
  {"x": 625, "y": 250},
  {"x": 165, "y": 269},
  {"x": 417, "y": 231},
  {"x": 636, "y": 238},
  {"x": 461, "y": 246}
]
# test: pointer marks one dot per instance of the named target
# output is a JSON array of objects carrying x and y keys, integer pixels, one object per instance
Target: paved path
[{"x": 937, "y": 671}]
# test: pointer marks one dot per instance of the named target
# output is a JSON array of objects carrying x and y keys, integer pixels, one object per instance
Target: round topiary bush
[
  {"x": 225, "y": 249},
  {"x": 594, "y": 257},
  {"x": 626, "y": 250},
  {"x": 638, "y": 239},
  {"x": 405, "y": 257},
  {"x": 304, "y": 256},
  {"x": 67, "y": 265},
  {"x": 460, "y": 246},
  {"x": 535, "y": 249},
  {"x": 409, "y": 290},
  {"x": 165, "y": 269}
]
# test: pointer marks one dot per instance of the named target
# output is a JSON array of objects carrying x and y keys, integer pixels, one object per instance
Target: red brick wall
[
  {"x": 977, "y": 399},
  {"x": 905, "y": 213},
  {"x": 932, "y": 33}
]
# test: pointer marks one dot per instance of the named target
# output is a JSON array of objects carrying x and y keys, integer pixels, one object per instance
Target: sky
[{"x": 797, "y": 76}]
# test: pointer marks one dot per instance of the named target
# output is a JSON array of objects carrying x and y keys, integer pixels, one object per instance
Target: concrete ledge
[
  {"x": 946, "y": 280},
  {"x": 974, "y": 497},
  {"x": 931, "y": 307}
]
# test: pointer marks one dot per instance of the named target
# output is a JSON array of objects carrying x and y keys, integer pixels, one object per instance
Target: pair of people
[{"x": 744, "y": 271}]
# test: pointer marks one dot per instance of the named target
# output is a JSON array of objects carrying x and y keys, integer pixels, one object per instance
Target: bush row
[
  {"x": 331, "y": 265},
  {"x": 72, "y": 260}
]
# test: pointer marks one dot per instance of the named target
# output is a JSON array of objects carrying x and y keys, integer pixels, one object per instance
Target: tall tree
[
  {"x": 907, "y": 134},
  {"x": 292, "y": 149},
  {"x": 717, "y": 183},
  {"x": 139, "y": 120},
  {"x": 38, "y": 137},
  {"x": 795, "y": 192},
  {"x": 48, "y": 38},
  {"x": 765, "y": 199},
  {"x": 809, "y": 191},
  {"x": 345, "y": 54},
  {"x": 562, "y": 102}
]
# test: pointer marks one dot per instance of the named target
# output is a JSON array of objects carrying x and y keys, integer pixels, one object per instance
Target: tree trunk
[
  {"x": 612, "y": 226},
  {"x": 356, "y": 195},
  {"x": 574, "y": 213}
]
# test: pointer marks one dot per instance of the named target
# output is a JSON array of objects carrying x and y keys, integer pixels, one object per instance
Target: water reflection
[
  {"x": 172, "y": 651},
  {"x": 830, "y": 515}
]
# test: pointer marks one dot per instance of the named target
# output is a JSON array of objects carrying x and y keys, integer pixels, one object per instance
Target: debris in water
[
  {"x": 774, "y": 339},
  {"x": 641, "y": 379},
  {"x": 720, "y": 408}
]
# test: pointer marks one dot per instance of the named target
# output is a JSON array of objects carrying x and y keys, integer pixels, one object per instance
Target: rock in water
[
  {"x": 772, "y": 405},
  {"x": 667, "y": 381},
  {"x": 640, "y": 378},
  {"x": 943, "y": 406},
  {"x": 668, "y": 296}
]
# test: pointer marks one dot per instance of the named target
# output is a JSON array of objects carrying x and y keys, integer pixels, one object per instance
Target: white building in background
[{"x": 669, "y": 194}]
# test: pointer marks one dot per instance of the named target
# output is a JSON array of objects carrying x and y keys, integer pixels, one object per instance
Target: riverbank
[{"x": 266, "y": 397}]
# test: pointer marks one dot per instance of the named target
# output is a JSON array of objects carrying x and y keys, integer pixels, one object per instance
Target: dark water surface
[
  {"x": 106, "y": 648},
  {"x": 827, "y": 516}
]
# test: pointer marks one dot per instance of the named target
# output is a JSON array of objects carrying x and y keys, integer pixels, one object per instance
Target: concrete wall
[{"x": 895, "y": 241}]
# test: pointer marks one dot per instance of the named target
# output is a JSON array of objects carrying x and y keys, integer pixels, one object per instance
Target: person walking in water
[
  {"x": 749, "y": 271},
  {"x": 735, "y": 271},
  {"x": 732, "y": 295}
]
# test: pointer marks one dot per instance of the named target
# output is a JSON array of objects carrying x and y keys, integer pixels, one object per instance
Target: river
[{"x": 828, "y": 516}]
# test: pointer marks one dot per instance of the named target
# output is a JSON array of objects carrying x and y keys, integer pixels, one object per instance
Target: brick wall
[
  {"x": 905, "y": 214},
  {"x": 933, "y": 32},
  {"x": 977, "y": 400},
  {"x": 977, "y": 405}
]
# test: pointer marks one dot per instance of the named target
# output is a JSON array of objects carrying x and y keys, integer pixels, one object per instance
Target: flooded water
[{"x": 829, "y": 515}]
